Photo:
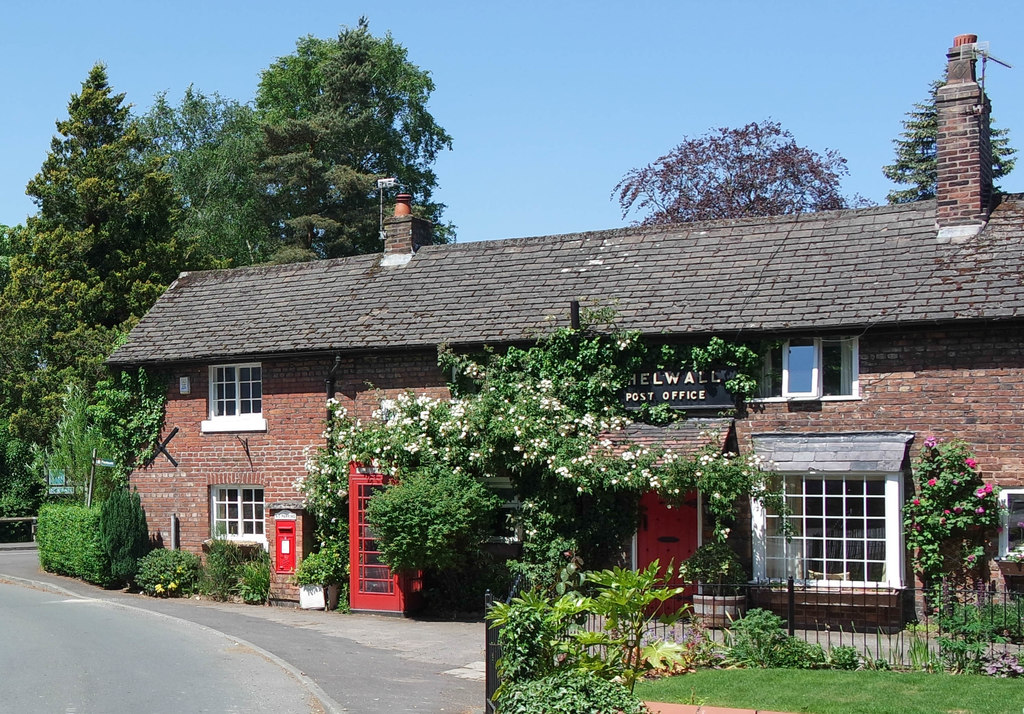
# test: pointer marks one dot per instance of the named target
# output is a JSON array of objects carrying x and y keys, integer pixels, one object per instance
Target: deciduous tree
[
  {"x": 755, "y": 170},
  {"x": 212, "y": 147}
]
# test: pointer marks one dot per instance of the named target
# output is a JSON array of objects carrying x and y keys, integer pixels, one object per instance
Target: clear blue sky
[{"x": 549, "y": 103}]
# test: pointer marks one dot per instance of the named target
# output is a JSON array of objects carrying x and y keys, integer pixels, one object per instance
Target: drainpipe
[{"x": 329, "y": 381}]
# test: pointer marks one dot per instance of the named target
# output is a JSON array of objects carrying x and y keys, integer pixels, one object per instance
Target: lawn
[{"x": 837, "y": 692}]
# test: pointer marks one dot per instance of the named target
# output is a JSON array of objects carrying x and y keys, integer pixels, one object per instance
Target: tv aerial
[
  {"x": 383, "y": 183},
  {"x": 980, "y": 49}
]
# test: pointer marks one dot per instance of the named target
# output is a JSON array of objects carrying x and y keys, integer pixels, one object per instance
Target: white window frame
[
  {"x": 252, "y": 421},
  {"x": 216, "y": 499},
  {"x": 893, "y": 494},
  {"x": 1009, "y": 522},
  {"x": 817, "y": 371}
]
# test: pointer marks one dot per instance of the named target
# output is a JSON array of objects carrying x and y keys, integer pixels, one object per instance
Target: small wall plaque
[{"x": 184, "y": 385}]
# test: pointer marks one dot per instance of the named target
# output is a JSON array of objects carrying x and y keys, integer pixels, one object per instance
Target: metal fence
[{"x": 940, "y": 627}]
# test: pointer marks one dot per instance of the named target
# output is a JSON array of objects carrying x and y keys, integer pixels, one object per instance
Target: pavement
[{"x": 349, "y": 662}]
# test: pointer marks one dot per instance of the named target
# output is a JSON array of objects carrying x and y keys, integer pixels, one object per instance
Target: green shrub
[
  {"x": 69, "y": 543},
  {"x": 123, "y": 533},
  {"x": 432, "y": 518},
  {"x": 329, "y": 566},
  {"x": 169, "y": 573},
  {"x": 844, "y": 657},
  {"x": 758, "y": 640},
  {"x": 568, "y": 691},
  {"x": 254, "y": 579},
  {"x": 224, "y": 560}
]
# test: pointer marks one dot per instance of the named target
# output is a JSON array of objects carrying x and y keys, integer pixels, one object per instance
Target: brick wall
[
  {"x": 294, "y": 406},
  {"x": 952, "y": 382}
]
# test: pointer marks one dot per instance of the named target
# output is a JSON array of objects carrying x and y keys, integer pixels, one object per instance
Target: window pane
[
  {"x": 837, "y": 367},
  {"x": 800, "y": 366},
  {"x": 771, "y": 373},
  {"x": 1015, "y": 520}
]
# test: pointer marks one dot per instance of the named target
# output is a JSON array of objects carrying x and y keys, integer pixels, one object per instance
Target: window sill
[
  {"x": 226, "y": 424},
  {"x": 784, "y": 400}
]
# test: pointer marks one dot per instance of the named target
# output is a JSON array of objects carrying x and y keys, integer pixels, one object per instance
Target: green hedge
[{"x": 68, "y": 538}]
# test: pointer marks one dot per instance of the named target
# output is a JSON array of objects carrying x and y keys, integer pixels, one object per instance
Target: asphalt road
[
  {"x": 72, "y": 654},
  {"x": 352, "y": 663}
]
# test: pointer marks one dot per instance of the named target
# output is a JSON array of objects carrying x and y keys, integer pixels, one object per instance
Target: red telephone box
[
  {"x": 284, "y": 550},
  {"x": 372, "y": 585}
]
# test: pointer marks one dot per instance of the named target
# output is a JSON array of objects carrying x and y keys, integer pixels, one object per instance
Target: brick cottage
[{"x": 887, "y": 325}]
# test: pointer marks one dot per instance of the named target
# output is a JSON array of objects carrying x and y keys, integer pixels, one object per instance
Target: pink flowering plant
[{"x": 953, "y": 512}]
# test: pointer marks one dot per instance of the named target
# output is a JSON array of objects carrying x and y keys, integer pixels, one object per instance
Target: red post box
[{"x": 284, "y": 559}]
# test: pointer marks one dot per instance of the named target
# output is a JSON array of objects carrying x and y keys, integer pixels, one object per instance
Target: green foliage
[
  {"x": 629, "y": 601},
  {"x": 540, "y": 416},
  {"x": 124, "y": 533},
  {"x": 89, "y": 264},
  {"x": 69, "y": 543},
  {"x": 843, "y": 657},
  {"x": 21, "y": 490},
  {"x": 338, "y": 115},
  {"x": 71, "y": 446},
  {"x": 759, "y": 640},
  {"x": 542, "y": 635},
  {"x": 716, "y": 567},
  {"x": 969, "y": 631},
  {"x": 328, "y": 566},
  {"x": 128, "y": 412},
  {"x": 222, "y": 569},
  {"x": 568, "y": 691},
  {"x": 431, "y": 519},
  {"x": 954, "y": 511},
  {"x": 212, "y": 148},
  {"x": 169, "y": 573},
  {"x": 254, "y": 579},
  {"x": 916, "y": 164}
]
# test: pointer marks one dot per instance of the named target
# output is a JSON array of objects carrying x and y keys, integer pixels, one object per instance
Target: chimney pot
[
  {"x": 961, "y": 40},
  {"x": 403, "y": 204}
]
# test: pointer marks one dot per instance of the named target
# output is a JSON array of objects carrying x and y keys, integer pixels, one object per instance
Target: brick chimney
[
  {"x": 964, "y": 151},
  {"x": 404, "y": 233}
]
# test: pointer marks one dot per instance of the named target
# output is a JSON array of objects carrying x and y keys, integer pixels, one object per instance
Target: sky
[{"x": 549, "y": 103}]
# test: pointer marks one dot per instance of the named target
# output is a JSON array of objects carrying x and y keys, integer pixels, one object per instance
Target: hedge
[{"x": 68, "y": 537}]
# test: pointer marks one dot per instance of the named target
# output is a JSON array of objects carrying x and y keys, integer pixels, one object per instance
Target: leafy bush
[
  {"x": 69, "y": 543},
  {"x": 169, "y": 573},
  {"x": 1005, "y": 665},
  {"x": 329, "y": 566},
  {"x": 716, "y": 567},
  {"x": 568, "y": 691},
  {"x": 759, "y": 640},
  {"x": 123, "y": 533},
  {"x": 991, "y": 622},
  {"x": 254, "y": 579},
  {"x": 843, "y": 657},
  {"x": 432, "y": 518},
  {"x": 224, "y": 560}
]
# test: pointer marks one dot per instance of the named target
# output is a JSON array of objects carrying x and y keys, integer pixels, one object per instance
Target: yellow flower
[{"x": 159, "y": 588}]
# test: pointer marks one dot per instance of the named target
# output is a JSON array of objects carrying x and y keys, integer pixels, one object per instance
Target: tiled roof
[
  {"x": 813, "y": 272},
  {"x": 875, "y": 452}
]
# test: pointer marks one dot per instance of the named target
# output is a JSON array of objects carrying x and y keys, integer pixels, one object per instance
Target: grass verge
[{"x": 836, "y": 692}]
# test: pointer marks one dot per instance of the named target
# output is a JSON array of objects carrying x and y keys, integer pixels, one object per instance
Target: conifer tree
[
  {"x": 340, "y": 114},
  {"x": 916, "y": 163},
  {"x": 90, "y": 263},
  {"x": 124, "y": 533}
]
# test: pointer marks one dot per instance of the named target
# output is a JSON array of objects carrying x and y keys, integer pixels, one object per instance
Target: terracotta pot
[{"x": 719, "y": 610}]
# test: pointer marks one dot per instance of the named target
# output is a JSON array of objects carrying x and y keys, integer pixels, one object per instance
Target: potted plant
[
  {"x": 719, "y": 575},
  {"x": 319, "y": 576}
]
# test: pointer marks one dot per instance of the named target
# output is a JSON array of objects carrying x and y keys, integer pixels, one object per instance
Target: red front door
[{"x": 668, "y": 535}]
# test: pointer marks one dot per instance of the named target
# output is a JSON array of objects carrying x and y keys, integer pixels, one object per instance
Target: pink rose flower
[
  {"x": 917, "y": 501},
  {"x": 931, "y": 482},
  {"x": 971, "y": 463},
  {"x": 980, "y": 509},
  {"x": 930, "y": 442}
]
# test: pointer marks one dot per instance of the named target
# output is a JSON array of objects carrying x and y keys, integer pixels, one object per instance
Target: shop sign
[{"x": 689, "y": 390}]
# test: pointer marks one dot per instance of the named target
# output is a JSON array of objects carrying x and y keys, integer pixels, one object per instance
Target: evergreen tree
[
  {"x": 916, "y": 163},
  {"x": 339, "y": 115},
  {"x": 124, "y": 534},
  {"x": 90, "y": 263}
]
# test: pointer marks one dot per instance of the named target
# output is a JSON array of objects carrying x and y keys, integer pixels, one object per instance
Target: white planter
[{"x": 311, "y": 597}]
